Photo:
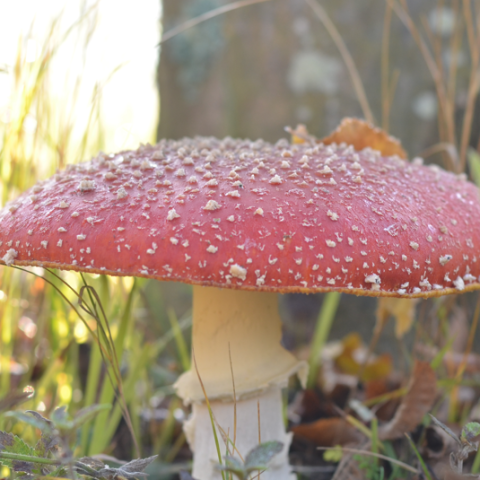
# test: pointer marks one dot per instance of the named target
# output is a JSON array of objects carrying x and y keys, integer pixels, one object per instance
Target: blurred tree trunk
[
  {"x": 251, "y": 72},
  {"x": 227, "y": 76}
]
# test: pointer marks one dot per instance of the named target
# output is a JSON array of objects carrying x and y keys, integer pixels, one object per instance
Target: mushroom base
[{"x": 267, "y": 406}]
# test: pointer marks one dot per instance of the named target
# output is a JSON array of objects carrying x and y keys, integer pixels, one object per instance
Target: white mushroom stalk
[{"x": 239, "y": 331}]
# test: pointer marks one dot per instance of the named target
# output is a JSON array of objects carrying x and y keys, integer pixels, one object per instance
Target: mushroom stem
[
  {"x": 267, "y": 406},
  {"x": 237, "y": 333}
]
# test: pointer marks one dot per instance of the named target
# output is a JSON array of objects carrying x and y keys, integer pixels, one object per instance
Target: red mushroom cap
[{"x": 251, "y": 215}]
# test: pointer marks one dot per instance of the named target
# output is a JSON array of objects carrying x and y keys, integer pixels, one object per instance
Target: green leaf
[
  {"x": 48, "y": 441},
  {"x": 470, "y": 431},
  {"x": 235, "y": 466},
  {"x": 46, "y": 445},
  {"x": 60, "y": 418},
  {"x": 10, "y": 443},
  {"x": 86, "y": 468},
  {"x": 33, "y": 419},
  {"x": 6, "y": 440},
  {"x": 90, "y": 463},
  {"x": 259, "y": 457},
  {"x": 129, "y": 471}
]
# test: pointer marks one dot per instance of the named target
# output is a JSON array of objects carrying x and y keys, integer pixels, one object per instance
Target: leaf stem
[{"x": 28, "y": 458}]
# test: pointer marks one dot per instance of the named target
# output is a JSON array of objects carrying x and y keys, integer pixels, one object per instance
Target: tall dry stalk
[{"x": 445, "y": 78}]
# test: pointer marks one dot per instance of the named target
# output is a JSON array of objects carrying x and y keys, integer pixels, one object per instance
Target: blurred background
[
  {"x": 83, "y": 76},
  {"x": 251, "y": 72}
]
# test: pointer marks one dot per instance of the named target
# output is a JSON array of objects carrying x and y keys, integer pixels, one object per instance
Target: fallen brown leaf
[
  {"x": 421, "y": 393},
  {"x": 361, "y": 134},
  {"x": 377, "y": 388},
  {"x": 310, "y": 405},
  {"x": 328, "y": 432}
]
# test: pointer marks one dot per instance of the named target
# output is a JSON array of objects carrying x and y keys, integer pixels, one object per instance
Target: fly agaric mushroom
[{"x": 242, "y": 221}]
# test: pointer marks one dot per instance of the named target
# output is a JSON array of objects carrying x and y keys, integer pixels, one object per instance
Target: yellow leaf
[
  {"x": 350, "y": 360},
  {"x": 401, "y": 309}
]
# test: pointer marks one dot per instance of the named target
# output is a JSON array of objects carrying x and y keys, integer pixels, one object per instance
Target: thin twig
[
  {"x": 234, "y": 397},
  {"x": 455, "y": 46},
  {"x": 435, "y": 41},
  {"x": 66, "y": 299},
  {"x": 393, "y": 87},
  {"x": 259, "y": 425},
  {"x": 207, "y": 16},
  {"x": 210, "y": 412},
  {"x": 347, "y": 58},
  {"x": 401, "y": 9},
  {"x": 443, "y": 147},
  {"x": 227, "y": 441},
  {"x": 473, "y": 41},
  {"x": 259, "y": 430},
  {"x": 387, "y": 22}
]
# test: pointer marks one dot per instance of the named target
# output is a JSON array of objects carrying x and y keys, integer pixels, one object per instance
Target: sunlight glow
[
  {"x": 119, "y": 60},
  {"x": 128, "y": 283},
  {"x": 80, "y": 332},
  {"x": 64, "y": 387},
  {"x": 65, "y": 393}
]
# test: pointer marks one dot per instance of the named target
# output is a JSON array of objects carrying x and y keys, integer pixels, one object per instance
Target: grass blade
[
  {"x": 322, "y": 330},
  {"x": 425, "y": 469}
]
